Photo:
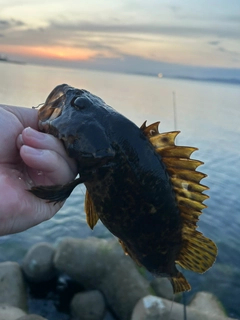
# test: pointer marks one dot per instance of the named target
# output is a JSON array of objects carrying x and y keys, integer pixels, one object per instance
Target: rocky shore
[{"x": 97, "y": 282}]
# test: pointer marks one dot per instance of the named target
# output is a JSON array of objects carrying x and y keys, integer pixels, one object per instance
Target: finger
[
  {"x": 47, "y": 166},
  {"x": 27, "y": 116},
  {"x": 40, "y": 140}
]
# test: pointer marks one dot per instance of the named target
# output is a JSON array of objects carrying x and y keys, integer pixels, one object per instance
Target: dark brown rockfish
[{"x": 141, "y": 185}]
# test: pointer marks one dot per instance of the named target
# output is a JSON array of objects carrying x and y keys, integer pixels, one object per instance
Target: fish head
[{"x": 80, "y": 120}]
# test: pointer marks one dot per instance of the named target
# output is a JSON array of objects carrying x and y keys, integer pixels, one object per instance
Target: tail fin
[{"x": 198, "y": 253}]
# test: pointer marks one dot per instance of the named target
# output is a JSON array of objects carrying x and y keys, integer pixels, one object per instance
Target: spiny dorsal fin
[
  {"x": 165, "y": 139},
  {"x": 176, "y": 151},
  {"x": 188, "y": 185},
  {"x": 91, "y": 214},
  {"x": 198, "y": 253},
  {"x": 151, "y": 130},
  {"x": 182, "y": 163}
]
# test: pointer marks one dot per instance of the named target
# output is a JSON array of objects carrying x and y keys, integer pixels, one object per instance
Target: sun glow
[{"x": 51, "y": 52}]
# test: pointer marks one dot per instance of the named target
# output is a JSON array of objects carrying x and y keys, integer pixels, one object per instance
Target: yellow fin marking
[
  {"x": 179, "y": 283},
  {"x": 191, "y": 204},
  {"x": 91, "y": 214},
  {"x": 183, "y": 163},
  {"x": 188, "y": 185},
  {"x": 190, "y": 220},
  {"x": 176, "y": 151},
  {"x": 194, "y": 176},
  {"x": 198, "y": 252},
  {"x": 186, "y": 210},
  {"x": 150, "y": 130},
  {"x": 190, "y": 217},
  {"x": 164, "y": 139},
  {"x": 200, "y": 197}
]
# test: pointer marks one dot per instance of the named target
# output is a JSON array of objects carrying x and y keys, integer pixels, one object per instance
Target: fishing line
[
  {"x": 175, "y": 128},
  {"x": 40, "y": 104},
  {"x": 184, "y": 306},
  {"x": 171, "y": 308},
  {"x": 49, "y": 103},
  {"x": 174, "y": 110}
]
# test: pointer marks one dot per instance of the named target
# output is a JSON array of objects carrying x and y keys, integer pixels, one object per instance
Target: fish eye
[{"x": 78, "y": 103}]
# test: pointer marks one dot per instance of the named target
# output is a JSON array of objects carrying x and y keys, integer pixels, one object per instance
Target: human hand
[{"x": 28, "y": 158}]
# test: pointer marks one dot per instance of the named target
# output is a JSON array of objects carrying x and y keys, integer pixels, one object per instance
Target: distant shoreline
[
  {"x": 235, "y": 81},
  {"x": 11, "y": 61},
  {"x": 218, "y": 80},
  {"x": 203, "y": 79}
]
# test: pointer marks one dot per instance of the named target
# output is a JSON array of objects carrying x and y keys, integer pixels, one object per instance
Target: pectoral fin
[
  {"x": 56, "y": 193},
  {"x": 92, "y": 216}
]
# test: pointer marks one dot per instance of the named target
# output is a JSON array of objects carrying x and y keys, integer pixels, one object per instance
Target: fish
[{"x": 142, "y": 186}]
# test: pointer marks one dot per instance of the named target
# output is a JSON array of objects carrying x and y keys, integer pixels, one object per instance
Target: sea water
[{"x": 208, "y": 115}]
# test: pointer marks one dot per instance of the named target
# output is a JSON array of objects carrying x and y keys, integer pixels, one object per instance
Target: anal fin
[{"x": 179, "y": 283}]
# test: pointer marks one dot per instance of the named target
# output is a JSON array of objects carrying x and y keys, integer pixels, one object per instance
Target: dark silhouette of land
[{"x": 5, "y": 59}]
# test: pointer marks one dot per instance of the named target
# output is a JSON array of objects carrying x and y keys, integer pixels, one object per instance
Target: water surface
[{"x": 208, "y": 115}]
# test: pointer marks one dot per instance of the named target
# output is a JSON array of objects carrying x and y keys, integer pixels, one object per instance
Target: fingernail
[
  {"x": 32, "y": 151},
  {"x": 34, "y": 133}
]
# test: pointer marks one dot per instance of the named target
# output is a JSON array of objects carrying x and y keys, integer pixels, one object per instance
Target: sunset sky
[{"x": 134, "y": 34}]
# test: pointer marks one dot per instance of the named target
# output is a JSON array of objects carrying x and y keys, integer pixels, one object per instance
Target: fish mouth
[{"x": 53, "y": 106}]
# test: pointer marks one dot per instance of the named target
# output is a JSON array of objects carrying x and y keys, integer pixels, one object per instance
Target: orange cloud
[{"x": 51, "y": 52}]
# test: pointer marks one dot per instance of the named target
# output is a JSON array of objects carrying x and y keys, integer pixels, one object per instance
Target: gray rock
[
  {"x": 150, "y": 308},
  {"x": 88, "y": 305},
  {"x": 208, "y": 302},
  {"x": 163, "y": 288},
  {"x": 31, "y": 317},
  {"x": 12, "y": 287},
  {"x": 85, "y": 260},
  {"x": 101, "y": 264},
  {"x": 10, "y": 312},
  {"x": 38, "y": 263},
  {"x": 175, "y": 312}
]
